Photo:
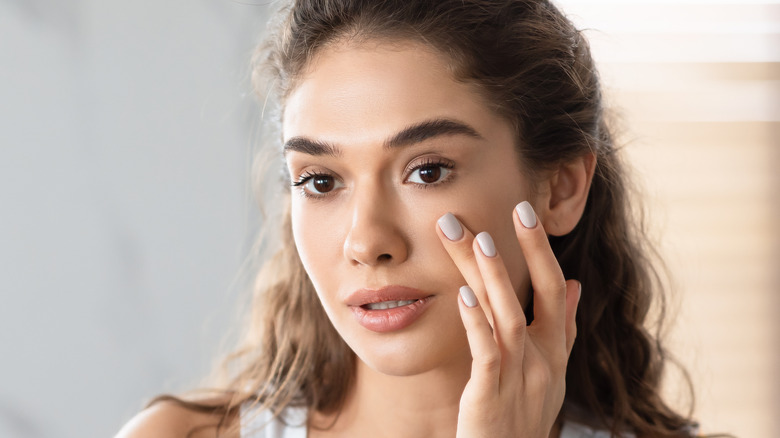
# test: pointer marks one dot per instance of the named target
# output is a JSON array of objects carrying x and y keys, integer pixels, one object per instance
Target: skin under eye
[{"x": 430, "y": 173}]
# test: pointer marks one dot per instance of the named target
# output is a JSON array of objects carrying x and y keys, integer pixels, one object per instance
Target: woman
[{"x": 449, "y": 168}]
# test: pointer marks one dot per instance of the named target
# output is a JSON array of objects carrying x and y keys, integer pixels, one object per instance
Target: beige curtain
[{"x": 696, "y": 85}]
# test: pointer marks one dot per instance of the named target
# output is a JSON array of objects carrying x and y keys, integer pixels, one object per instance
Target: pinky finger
[{"x": 486, "y": 357}]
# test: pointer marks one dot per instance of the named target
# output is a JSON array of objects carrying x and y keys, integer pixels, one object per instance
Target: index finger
[{"x": 457, "y": 240}]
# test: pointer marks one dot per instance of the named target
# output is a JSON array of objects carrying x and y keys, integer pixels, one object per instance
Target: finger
[
  {"x": 573, "y": 294},
  {"x": 457, "y": 240},
  {"x": 508, "y": 318},
  {"x": 547, "y": 279},
  {"x": 485, "y": 354}
]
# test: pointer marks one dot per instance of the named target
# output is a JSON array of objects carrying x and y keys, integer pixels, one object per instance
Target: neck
[{"x": 381, "y": 405}]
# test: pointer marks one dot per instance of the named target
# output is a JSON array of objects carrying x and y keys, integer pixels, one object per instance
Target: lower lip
[{"x": 388, "y": 320}]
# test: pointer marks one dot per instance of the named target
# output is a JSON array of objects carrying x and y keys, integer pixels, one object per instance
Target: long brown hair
[{"x": 535, "y": 69}]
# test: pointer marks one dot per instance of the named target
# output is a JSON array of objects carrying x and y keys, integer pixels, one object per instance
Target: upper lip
[{"x": 362, "y": 297}]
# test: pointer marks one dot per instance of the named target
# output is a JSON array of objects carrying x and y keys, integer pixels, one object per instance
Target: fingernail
[
  {"x": 526, "y": 214},
  {"x": 486, "y": 244},
  {"x": 450, "y": 227},
  {"x": 580, "y": 291},
  {"x": 468, "y": 297}
]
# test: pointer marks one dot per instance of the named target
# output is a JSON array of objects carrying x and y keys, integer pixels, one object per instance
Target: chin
[{"x": 409, "y": 354}]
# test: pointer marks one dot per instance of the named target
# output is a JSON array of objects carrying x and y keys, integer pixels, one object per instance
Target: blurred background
[{"x": 126, "y": 212}]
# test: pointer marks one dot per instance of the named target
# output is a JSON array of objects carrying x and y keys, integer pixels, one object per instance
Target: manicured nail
[
  {"x": 486, "y": 244},
  {"x": 526, "y": 214},
  {"x": 450, "y": 227},
  {"x": 468, "y": 297}
]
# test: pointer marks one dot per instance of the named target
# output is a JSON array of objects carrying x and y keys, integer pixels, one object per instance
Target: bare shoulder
[{"x": 167, "y": 419}]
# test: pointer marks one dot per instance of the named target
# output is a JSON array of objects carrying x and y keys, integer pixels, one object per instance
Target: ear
[{"x": 562, "y": 196}]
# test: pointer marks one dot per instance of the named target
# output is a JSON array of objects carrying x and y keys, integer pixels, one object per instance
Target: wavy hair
[{"x": 535, "y": 69}]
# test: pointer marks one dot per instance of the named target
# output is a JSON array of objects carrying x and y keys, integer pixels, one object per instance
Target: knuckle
[
  {"x": 518, "y": 324},
  {"x": 556, "y": 285},
  {"x": 489, "y": 361},
  {"x": 540, "y": 378},
  {"x": 516, "y": 327}
]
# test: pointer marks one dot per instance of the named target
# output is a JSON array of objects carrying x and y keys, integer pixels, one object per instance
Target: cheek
[
  {"x": 490, "y": 207},
  {"x": 417, "y": 218},
  {"x": 314, "y": 236}
]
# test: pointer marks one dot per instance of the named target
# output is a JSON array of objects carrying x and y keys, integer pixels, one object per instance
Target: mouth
[
  {"x": 386, "y": 297},
  {"x": 388, "y": 309},
  {"x": 387, "y": 304}
]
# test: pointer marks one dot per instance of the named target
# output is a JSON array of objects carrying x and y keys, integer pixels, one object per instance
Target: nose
[{"x": 375, "y": 237}]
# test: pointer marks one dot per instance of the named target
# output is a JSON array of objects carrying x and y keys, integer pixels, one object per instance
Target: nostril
[{"x": 384, "y": 257}]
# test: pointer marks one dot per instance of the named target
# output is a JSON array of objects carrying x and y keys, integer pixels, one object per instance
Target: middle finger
[{"x": 509, "y": 319}]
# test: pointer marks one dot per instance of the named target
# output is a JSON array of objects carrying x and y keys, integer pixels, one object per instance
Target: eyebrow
[
  {"x": 429, "y": 129},
  {"x": 410, "y": 135},
  {"x": 311, "y": 147}
]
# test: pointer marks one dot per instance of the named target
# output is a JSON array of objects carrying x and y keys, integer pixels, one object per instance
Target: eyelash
[
  {"x": 429, "y": 162},
  {"x": 306, "y": 177},
  {"x": 303, "y": 179}
]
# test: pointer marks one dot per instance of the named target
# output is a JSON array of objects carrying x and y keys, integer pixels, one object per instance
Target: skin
[
  {"x": 356, "y": 99},
  {"x": 457, "y": 370},
  {"x": 374, "y": 224}
]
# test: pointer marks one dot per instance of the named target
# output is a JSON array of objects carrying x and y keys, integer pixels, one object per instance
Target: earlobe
[{"x": 567, "y": 194}]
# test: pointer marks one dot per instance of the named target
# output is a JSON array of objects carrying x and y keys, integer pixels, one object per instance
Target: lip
[{"x": 388, "y": 320}]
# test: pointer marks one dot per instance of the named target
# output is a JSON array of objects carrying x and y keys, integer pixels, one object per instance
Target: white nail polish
[
  {"x": 486, "y": 244},
  {"x": 526, "y": 214},
  {"x": 468, "y": 297},
  {"x": 450, "y": 227}
]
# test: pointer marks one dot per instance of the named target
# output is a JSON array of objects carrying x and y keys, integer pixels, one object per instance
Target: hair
[{"x": 535, "y": 70}]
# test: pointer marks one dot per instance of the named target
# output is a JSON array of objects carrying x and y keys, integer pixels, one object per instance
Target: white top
[{"x": 263, "y": 425}]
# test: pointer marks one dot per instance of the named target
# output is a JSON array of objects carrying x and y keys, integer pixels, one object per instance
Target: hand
[{"x": 518, "y": 372}]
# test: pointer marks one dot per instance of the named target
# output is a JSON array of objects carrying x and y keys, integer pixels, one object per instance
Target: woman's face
[{"x": 380, "y": 142}]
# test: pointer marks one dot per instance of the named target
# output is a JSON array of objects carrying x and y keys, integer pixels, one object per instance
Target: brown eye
[
  {"x": 429, "y": 174},
  {"x": 323, "y": 184}
]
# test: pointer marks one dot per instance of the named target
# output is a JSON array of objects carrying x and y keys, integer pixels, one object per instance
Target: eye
[
  {"x": 429, "y": 173},
  {"x": 321, "y": 184},
  {"x": 318, "y": 184}
]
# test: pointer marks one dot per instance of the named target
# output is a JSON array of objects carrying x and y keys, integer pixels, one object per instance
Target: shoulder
[{"x": 167, "y": 419}]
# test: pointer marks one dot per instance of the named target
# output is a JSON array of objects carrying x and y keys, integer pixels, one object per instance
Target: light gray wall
[{"x": 124, "y": 205}]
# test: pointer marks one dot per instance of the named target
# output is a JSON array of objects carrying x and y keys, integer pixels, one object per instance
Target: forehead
[{"x": 364, "y": 92}]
